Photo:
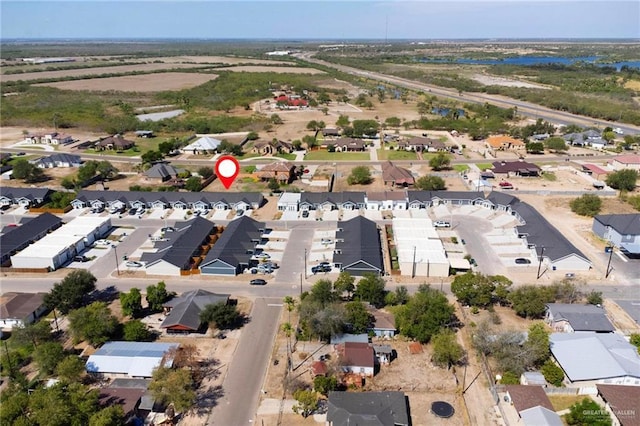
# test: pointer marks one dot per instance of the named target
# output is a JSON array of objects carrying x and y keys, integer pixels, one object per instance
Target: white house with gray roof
[
  {"x": 576, "y": 317},
  {"x": 621, "y": 230},
  {"x": 130, "y": 359}
]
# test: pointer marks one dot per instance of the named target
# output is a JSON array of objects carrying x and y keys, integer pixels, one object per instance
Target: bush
[
  {"x": 586, "y": 205},
  {"x": 624, "y": 180},
  {"x": 509, "y": 378},
  {"x": 552, "y": 373},
  {"x": 359, "y": 176}
]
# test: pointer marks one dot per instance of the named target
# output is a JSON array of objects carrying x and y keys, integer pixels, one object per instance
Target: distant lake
[{"x": 536, "y": 60}]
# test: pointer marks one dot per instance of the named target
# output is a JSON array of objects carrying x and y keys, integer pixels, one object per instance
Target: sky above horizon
[{"x": 327, "y": 20}]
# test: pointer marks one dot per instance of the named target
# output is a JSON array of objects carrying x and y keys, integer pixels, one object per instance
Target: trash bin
[{"x": 608, "y": 249}]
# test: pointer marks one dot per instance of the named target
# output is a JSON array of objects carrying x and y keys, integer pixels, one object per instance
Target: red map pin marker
[{"x": 227, "y": 169}]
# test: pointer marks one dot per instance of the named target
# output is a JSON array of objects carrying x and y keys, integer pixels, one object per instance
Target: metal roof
[
  {"x": 537, "y": 416},
  {"x": 136, "y": 359},
  {"x": 594, "y": 356}
]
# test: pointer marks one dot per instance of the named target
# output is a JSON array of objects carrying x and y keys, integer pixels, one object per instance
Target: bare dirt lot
[
  {"x": 136, "y": 83},
  {"x": 212, "y": 60},
  {"x": 257, "y": 68}
]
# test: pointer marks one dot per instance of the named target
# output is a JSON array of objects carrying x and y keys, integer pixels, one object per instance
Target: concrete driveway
[
  {"x": 472, "y": 230},
  {"x": 293, "y": 257},
  {"x": 243, "y": 383}
]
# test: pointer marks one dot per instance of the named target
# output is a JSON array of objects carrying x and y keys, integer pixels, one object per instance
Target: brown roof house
[
  {"x": 623, "y": 402},
  {"x": 161, "y": 172},
  {"x": 504, "y": 143},
  {"x": 114, "y": 143},
  {"x": 396, "y": 176},
  {"x": 282, "y": 171},
  {"x": 384, "y": 325},
  {"x": 272, "y": 147},
  {"x": 347, "y": 145},
  {"x": 20, "y": 309},
  {"x": 533, "y": 405},
  {"x": 515, "y": 168},
  {"x": 357, "y": 358}
]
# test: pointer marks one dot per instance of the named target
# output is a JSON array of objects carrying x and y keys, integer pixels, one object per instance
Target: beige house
[{"x": 282, "y": 171}]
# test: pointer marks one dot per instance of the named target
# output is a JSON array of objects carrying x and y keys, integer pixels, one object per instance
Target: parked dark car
[
  {"x": 81, "y": 259},
  {"x": 133, "y": 211},
  {"x": 522, "y": 261},
  {"x": 305, "y": 213},
  {"x": 321, "y": 268},
  {"x": 258, "y": 281}
]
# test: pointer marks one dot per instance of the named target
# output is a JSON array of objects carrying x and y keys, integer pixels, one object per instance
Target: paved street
[
  {"x": 243, "y": 383},
  {"x": 472, "y": 230},
  {"x": 293, "y": 259}
]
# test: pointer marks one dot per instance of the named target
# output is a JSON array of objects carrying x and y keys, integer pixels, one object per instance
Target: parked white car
[{"x": 103, "y": 243}]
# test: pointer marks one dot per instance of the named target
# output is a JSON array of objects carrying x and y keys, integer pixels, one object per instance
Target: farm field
[
  {"x": 214, "y": 60},
  {"x": 257, "y": 68},
  {"x": 136, "y": 83}
]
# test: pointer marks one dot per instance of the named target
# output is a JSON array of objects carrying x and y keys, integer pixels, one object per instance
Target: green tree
[
  {"x": 594, "y": 297},
  {"x": 273, "y": 185},
  {"x": 556, "y": 143},
  {"x": 70, "y": 292},
  {"x": 322, "y": 292},
  {"x": 312, "y": 125},
  {"x": 193, "y": 184},
  {"x": 530, "y": 301},
  {"x": 110, "y": 416},
  {"x": 205, "y": 172},
  {"x": 586, "y": 205},
  {"x": 538, "y": 342},
  {"x": 479, "y": 290},
  {"x": 310, "y": 141},
  {"x": 370, "y": 289},
  {"x": 535, "y": 147},
  {"x": 365, "y": 128},
  {"x": 634, "y": 339},
  {"x": 587, "y": 412},
  {"x": 342, "y": 121},
  {"x": 87, "y": 171},
  {"x": 624, "y": 180},
  {"x": 324, "y": 98},
  {"x": 399, "y": 296},
  {"x": 150, "y": 157},
  {"x": 324, "y": 384},
  {"x": 220, "y": 315},
  {"x": 24, "y": 170},
  {"x": 169, "y": 386},
  {"x": 34, "y": 333},
  {"x": 360, "y": 175},
  {"x": 440, "y": 161},
  {"x": 446, "y": 349},
  {"x": 424, "y": 315},
  {"x": 306, "y": 402},
  {"x": 430, "y": 183},
  {"x": 131, "y": 303},
  {"x": 106, "y": 170},
  {"x": 63, "y": 404},
  {"x": 230, "y": 148},
  {"x": 344, "y": 283},
  {"x": 71, "y": 369},
  {"x": 510, "y": 378},
  {"x": 552, "y": 373},
  {"x": 358, "y": 317},
  {"x": 15, "y": 408},
  {"x": 136, "y": 331},
  {"x": 166, "y": 147},
  {"x": 47, "y": 356},
  {"x": 393, "y": 122},
  {"x": 157, "y": 295},
  {"x": 93, "y": 323}
]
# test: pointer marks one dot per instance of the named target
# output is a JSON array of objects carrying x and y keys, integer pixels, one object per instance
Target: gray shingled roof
[
  {"x": 581, "y": 317},
  {"x": 28, "y": 193},
  {"x": 59, "y": 157},
  {"x": 31, "y": 230},
  {"x": 238, "y": 237},
  {"x": 368, "y": 409},
  {"x": 161, "y": 171},
  {"x": 359, "y": 241},
  {"x": 624, "y": 224},
  {"x": 336, "y": 198},
  {"x": 229, "y": 198},
  {"x": 185, "y": 310},
  {"x": 183, "y": 244}
]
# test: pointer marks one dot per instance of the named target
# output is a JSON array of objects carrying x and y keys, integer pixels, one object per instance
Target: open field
[
  {"x": 213, "y": 60},
  {"x": 283, "y": 70},
  {"x": 136, "y": 83},
  {"x": 323, "y": 155},
  {"x": 94, "y": 71}
]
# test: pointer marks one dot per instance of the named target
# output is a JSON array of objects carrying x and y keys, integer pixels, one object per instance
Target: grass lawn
[
  {"x": 336, "y": 156},
  {"x": 562, "y": 402},
  {"x": 128, "y": 153},
  {"x": 484, "y": 166},
  {"x": 13, "y": 159},
  {"x": 384, "y": 154},
  {"x": 550, "y": 176},
  {"x": 460, "y": 167},
  {"x": 286, "y": 156}
]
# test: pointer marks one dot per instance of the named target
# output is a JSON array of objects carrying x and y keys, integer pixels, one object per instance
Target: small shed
[{"x": 533, "y": 378}]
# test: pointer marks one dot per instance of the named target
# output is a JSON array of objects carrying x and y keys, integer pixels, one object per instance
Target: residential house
[
  {"x": 282, "y": 171},
  {"x": 386, "y": 200},
  {"x": 589, "y": 137},
  {"x": 328, "y": 201},
  {"x": 132, "y": 359},
  {"x": 52, "y": 138},
  {"x": 232, "y": 253},
  {"x": 357, "y": 358},
  {"x": 368, "y": 408},
  {"x": 621, "y": 402},
  {"x": 29, "y": 231},
  {"x": 383, "y": 323},
  {"x": 289, "y": 201},
  {"x": 571, "y": 318},
  {"x": 273, "y": 147},
  {"x": 289, "y": 101},
  {"x": 114, "y": 143},
  {"x": 396, "y": 176},
  {"x": 621, "y": 230},
  {"x": 421, "y": 144},
  {"x": 184, "y": 250},
  {"x": 330, "y": 133},
  {"x": 594, "y": 171},
  {"x": 202, "y": 145},
  {"x": 339, "y": 339},
  {"x": 515, "y": 168},
  {"x": 627, "y": 161},
  {"x": 532, "y": 405},
  {"x": 589, "y": 358},
  {"x": 358, "y": 247},
  {"x": 127, "y": 398},
  {"x": 347, "y": 145},
  {"x": 20, "y": 309},
  {"x": 24, "y": 197},
  {"x": 504, "y": 143},
  {"x": 161, "y": 172},
  {"x": 183, "y": 313},
  {"x": 59, "y": 160}
]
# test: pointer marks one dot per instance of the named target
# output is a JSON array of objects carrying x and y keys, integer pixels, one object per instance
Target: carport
[{"x": 420, "y": 251}]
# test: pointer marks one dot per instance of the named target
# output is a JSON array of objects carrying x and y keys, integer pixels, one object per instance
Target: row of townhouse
[{"x": 197, "y": 201}]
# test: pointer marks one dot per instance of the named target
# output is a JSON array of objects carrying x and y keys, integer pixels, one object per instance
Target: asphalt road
[
  {"x": 243, "y": 383},
  {"x": 293, "y": 259},
  {"x": 471, "y": 230}
]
